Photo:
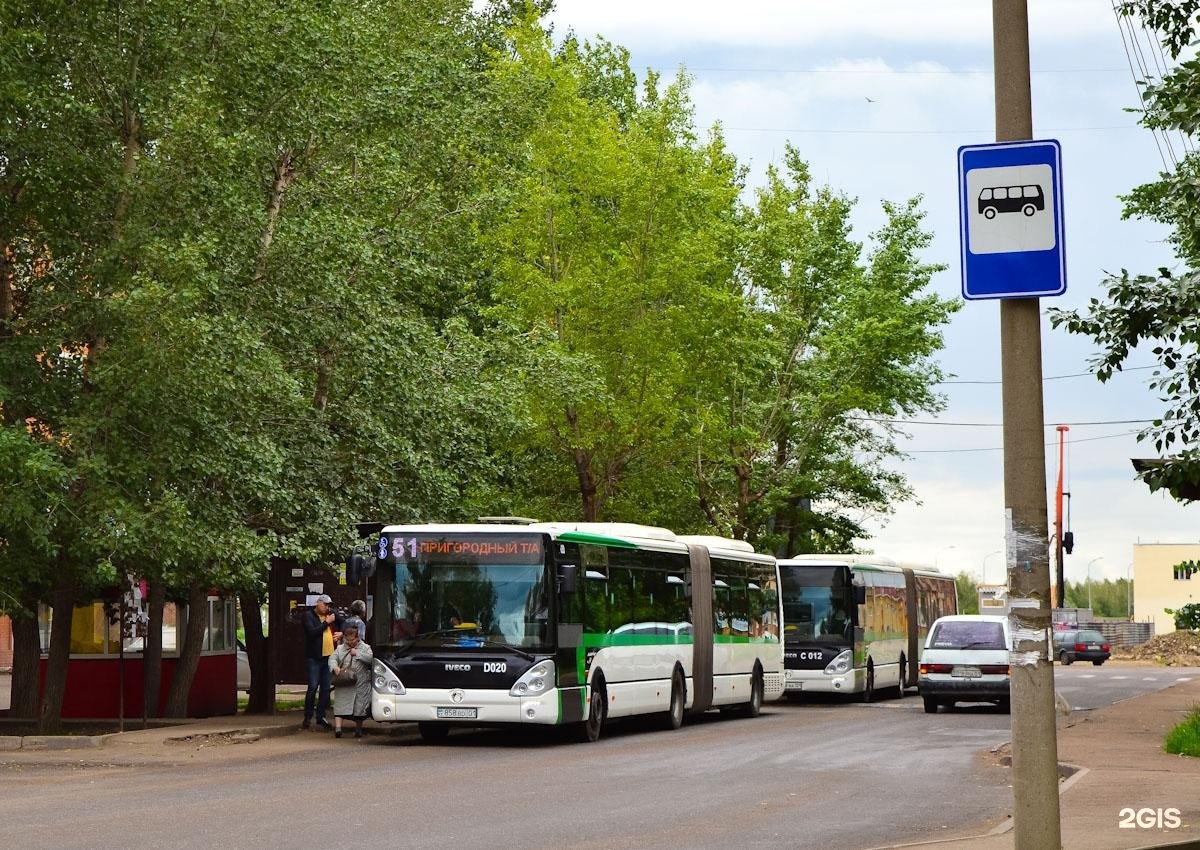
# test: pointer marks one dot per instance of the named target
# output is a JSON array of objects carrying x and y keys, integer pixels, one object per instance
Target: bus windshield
[
  {"x": 462, "y": 596},
  {"x": 817, "y": 604}
]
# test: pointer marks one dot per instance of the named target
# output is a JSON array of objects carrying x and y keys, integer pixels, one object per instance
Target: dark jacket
[{"x": 313, "y": 627}]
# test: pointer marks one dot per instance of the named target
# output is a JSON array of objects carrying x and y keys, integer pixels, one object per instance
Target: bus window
[
  {"x": 1000, "y": 194},
  {"x": 1031, "y": 191},
  {"x": 985, "y": 195}
]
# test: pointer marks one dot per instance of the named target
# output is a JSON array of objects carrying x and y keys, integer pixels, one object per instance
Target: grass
[
  {"x": 1185, "y": 738},
  {"x": 280, "y": 704}
]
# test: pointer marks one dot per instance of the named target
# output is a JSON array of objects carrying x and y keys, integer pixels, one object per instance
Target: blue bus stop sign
[{"x": 1011, "y": 221}]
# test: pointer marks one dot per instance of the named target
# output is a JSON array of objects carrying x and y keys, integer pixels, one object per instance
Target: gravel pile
[{"x": 1174, "y": 649}]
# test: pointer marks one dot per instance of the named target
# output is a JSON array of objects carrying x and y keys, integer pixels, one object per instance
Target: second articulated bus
[
  {"x": 568, "y": 624},
  {"x": 855, "y": 624}
]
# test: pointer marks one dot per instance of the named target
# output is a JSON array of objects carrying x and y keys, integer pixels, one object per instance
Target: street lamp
[
  {"x": 1128, "y": 591},
  {"x": 983, "y": 567},
  {"x": 939, "y": 554},
  {"x": 1089, "y": 580}
]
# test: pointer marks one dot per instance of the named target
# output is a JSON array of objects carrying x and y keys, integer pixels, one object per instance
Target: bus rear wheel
[
  {"x": 590, "y": 729},
  {"x": 433, "y": 733},
  {"x": 674, "y": 717},
  {"x": 868, "y": 694},
  {"x": 1029, "y": 209}
]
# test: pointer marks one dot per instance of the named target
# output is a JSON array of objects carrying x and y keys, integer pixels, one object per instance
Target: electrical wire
[
  {"x": 961, "y": 132},
  {"x": 1001, "y": 448},
  {"x": 1133, "y": 73},
  {"x": 1050, "y": 377},
  {"x": 997, "y": 424}
]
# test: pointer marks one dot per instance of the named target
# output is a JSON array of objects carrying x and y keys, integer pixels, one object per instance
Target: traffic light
[{"x": 1068, "y": 541}]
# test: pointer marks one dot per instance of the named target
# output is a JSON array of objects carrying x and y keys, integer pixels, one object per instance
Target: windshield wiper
[
  {"x": 987, "y": 643},
  {"x": 471, "y": 634}
]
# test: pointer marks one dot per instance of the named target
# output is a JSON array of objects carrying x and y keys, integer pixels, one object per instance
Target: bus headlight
[
  {"x": 385, "y": 681},
  {"x": 535, "y": 681},
  {"x": 841, "y": 664}
]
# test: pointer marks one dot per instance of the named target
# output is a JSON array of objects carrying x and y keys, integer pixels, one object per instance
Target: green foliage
[
  {"x": 1108, "y": 598},
  {"x": 1186, "y": 616},
  {"x": 1184, "y": 739},
  {"x": 1161, "y": 310},
  {"x": 968, "y": 593}
]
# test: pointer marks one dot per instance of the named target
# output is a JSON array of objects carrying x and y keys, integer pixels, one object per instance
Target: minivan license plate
[
  {"x": 966, "y": 672},
  {"x": 454, "y": 713},
  {"x": 1093, "y": 646}
]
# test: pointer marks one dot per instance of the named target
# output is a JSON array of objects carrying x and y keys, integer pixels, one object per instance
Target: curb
[{"x": 12, "y": 743}]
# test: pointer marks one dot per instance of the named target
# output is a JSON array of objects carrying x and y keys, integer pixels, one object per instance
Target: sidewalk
[{"x": 1120, "y": 749}]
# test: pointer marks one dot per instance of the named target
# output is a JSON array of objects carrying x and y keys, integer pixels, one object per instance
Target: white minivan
[{"x": 965, "y": 660}]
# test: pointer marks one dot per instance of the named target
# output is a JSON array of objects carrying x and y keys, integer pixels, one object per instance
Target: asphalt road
[
  {"x": 828, "y": 775},
  {"x": 1086, "y": 686}
]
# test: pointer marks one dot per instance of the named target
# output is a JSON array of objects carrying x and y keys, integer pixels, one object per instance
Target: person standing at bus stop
[{"x": 321, "y": 631}]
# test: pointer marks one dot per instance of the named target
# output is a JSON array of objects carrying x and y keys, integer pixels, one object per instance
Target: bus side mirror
[
  {"x": 567, "y": 574},
  {"x": 356, "y": 568},
  {"x": 860, "y": 595}
]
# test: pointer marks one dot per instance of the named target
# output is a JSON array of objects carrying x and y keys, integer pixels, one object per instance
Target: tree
[
  {"x": 968, "y": 593},
  {"x": 1161, "y": 310},
  {"x": 241, "y": 298},
  {"x": 832, "y": 343},
  {"x": 617, "y": 257}
]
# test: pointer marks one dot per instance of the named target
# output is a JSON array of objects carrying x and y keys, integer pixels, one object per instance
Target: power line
[
  {"x": 1051, "y": 377},
  {"x": 1001, "y": 448},
  {"x": 961, "y": 132},
  {"x": 948, "y": 72},
  {"x": 997, "y": 424}
]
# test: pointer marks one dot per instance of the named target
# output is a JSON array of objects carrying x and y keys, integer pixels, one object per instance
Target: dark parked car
[{"x": 1081, "y": 645}]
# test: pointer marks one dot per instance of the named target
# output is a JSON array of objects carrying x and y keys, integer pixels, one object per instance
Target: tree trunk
[
  {"x": 156, "y": 600},
  {"x": 262, "y": 684},
  {"x": 50, "y": 721},
  {"x": 189, "y": 653},
  {"x": 27, "y": 652}
]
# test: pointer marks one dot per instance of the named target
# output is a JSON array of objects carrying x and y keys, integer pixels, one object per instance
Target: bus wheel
[
  {"x": 589, "y": 730},
  {"x": 754, "y": 707},
  {"x": 1029, "y": 209},
  {"x": 674, "y": 717},
  {"x": 989, "y": 213},
  {"x": 901, "y": 684},
  {"x": 432, "y": 733},
  {"x": 868, "y": 694}
]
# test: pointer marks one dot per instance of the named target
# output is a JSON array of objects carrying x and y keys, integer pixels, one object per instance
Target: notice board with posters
[{"x": 293, "y": 589}]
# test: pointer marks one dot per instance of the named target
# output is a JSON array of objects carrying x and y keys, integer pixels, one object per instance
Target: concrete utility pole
[{"x": 1035, "y": 747}]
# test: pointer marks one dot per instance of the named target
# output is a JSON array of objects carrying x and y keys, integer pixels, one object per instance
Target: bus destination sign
[{"x": 462, "y": 548}]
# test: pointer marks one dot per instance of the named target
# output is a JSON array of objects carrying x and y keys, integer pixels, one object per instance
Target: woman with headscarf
[{"x": 351, "y": 668}]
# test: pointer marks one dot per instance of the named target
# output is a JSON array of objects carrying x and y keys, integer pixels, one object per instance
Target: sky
[{"x": 878, "y": 95}]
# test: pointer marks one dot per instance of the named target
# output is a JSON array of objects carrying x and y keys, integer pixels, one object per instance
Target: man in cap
[{"x": 322, "y": 628}]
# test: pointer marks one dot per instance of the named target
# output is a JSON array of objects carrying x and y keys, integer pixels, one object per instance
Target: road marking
[
  {"x": 1115, "y": 678},
  {"x": 1149, "y": 679},
  {"x": 1184, "y": 679},
  {"x": 1086, "y": 676}
]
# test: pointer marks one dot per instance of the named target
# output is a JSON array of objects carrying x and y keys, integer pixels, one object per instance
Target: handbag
[{"x": 346, "y": 675}]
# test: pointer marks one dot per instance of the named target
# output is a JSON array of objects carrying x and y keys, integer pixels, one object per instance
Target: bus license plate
[
  {"x": 966, "y": 672},
  {"x": 455, "y": 713}
]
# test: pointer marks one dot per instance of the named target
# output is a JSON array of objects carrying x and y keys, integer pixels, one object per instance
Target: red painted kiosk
[{"x": 94, "y": 670}]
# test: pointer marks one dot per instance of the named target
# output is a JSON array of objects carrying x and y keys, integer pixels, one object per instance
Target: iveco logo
[
  {"x": 458, "y": 668},
  {"x": 457, "y": 695}
]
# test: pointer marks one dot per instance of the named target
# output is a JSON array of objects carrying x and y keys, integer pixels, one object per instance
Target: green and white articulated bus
[
  {"x": 567, "y": 624},
  {"x": 856, "y": 624}
]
